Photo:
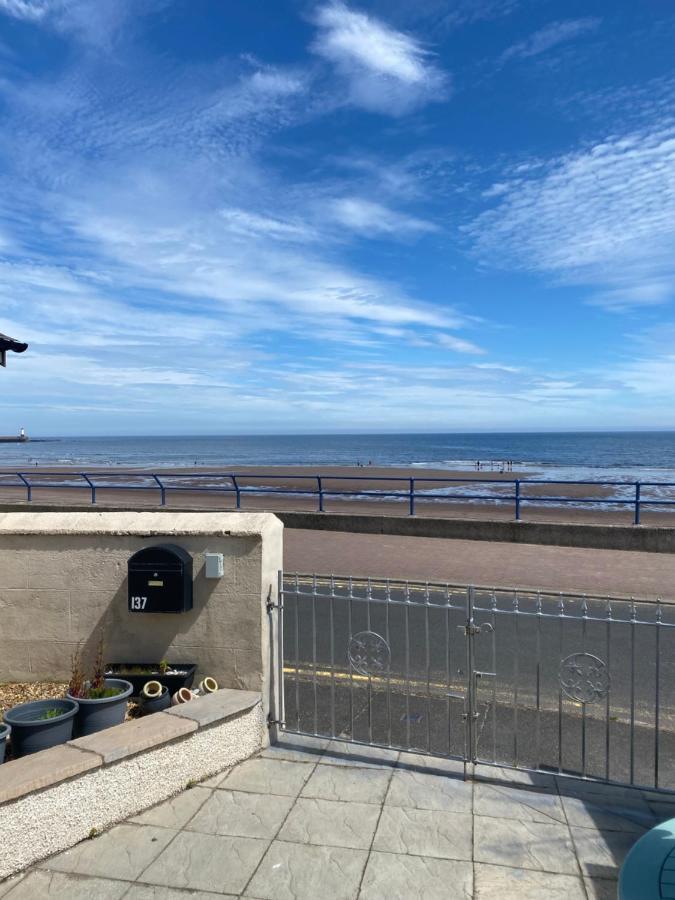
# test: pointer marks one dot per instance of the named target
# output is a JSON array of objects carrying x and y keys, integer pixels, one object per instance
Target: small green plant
[
  {"x": 100, "y": 693},
  {"x": 92, "y": 833},
  {"x": 191, "y": 783},
  {"x": 163, "y": 666},
  {"x": 52, "y": 713}
]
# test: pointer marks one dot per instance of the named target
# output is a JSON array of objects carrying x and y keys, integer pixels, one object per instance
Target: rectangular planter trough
[{"x": 126, "y": 671}]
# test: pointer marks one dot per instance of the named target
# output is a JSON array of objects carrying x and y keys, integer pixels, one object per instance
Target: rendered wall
[{"x": 63, "y": 581}]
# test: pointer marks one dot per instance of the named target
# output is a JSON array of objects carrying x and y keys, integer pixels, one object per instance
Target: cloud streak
[
  {"x": 385, "y": 71},
  {"x": 550, "y": 36},
  {"x": 603, "y": 217}
]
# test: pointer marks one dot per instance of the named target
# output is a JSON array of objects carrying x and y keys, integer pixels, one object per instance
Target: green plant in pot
[
  {"x": 102, "y": 701},
  {"x": 39, "y": 725}
]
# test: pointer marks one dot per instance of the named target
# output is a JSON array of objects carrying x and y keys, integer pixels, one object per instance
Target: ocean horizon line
[{"x": 331, "y": 434}]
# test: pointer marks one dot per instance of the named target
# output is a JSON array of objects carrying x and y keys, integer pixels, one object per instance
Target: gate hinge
[
  {"x": 271, "y": 722},
  {"x": 272, "y": 605}
]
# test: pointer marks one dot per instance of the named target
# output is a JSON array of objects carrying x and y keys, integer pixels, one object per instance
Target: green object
[
  {"x": 32, "y": 730},
  {"x": 98, "y": 712},
  {"x": 648, "y": 872},
  {"x": 101, "y": 693}
]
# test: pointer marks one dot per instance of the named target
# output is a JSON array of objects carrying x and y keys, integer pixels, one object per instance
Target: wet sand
[{"x": 352, "y": 478}]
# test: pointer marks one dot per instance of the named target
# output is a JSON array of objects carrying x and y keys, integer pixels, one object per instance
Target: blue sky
[{"x": 258, "y": 217}]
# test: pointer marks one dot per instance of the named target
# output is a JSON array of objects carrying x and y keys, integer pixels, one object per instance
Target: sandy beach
[{"x": 183, "y": 490}]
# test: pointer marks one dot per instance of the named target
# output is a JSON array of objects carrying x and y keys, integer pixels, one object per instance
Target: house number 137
[{"x": 138, "y": 602}]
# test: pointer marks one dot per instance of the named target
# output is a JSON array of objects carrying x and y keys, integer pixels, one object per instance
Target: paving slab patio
[{"x": 311, "y": 819}]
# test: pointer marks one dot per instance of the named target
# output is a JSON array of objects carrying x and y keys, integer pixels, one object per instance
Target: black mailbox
[{"x": 160, "y": 580}]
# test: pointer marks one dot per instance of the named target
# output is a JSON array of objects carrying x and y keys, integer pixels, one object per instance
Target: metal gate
[{"x": 575, "y": 685}]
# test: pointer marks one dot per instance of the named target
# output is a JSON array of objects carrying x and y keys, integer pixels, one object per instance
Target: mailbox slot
[{"x": 160, "y": 580}]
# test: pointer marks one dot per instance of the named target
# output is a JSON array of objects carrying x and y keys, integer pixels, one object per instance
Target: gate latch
[{"x": 471, "y": 628}]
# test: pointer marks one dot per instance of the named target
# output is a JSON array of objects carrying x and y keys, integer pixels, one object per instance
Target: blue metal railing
[{"x": 411, "y": 492}]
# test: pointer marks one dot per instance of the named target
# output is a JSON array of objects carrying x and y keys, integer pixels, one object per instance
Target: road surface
[{"x": 616, "y": 573}]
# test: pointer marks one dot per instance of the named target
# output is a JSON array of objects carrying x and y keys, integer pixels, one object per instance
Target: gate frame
[{"x": 470, "y": 715}]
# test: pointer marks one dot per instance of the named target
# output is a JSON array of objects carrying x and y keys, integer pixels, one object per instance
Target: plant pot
[
  {"x": 4, "y": 734},
  {"x": 156, "y": 704},
  {"x": 208, "y": 685},
  {"x": 138, "y": 679},
  {"x": 151, "y": 690},
  {"x": 30, "y": 733},
  {"x": 183, "y": 695},
  {"x": 95, "y": 715}
]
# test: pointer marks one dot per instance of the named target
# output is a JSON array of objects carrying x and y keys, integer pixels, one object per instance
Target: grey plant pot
[
  {"x": 95, "y": 715},
  {"x": 30, "y": 733},
  {"x": 4, "y": 734},
  {"x": 157, "y": 704}
]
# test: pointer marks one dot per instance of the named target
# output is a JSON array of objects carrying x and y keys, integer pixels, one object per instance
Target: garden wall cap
[
  {"x": 43, "y": 769},
  {"x": 50, "y": 767},
  {"x": 216, "y": 707},
  {"x": 134, "y": 736},
  {"x": 146, "y": 524}
]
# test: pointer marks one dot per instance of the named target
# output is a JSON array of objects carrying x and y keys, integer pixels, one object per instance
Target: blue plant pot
[
  {"x": 4, "y": 734},
  {"x": 30, "y": 733},
  {"x": 157, "y": 704},
  {"x": 95, "y": 715}
]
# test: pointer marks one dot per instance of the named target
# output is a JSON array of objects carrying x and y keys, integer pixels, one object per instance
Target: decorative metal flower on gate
[
  {"x": 369, "y": 653},
  {"x": 584, "y": 677}
]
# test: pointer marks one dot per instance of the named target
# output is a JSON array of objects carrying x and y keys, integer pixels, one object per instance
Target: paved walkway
[
  {"x": 334, "y": 822},
  {"x": 614, "y": 572}
]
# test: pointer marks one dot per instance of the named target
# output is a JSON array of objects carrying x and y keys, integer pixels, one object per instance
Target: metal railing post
[
  {"x": 320, "y": 484},
  {"x": 237, "y": 489},
  {"x": 412, "y": 496},
  {"x": 636, "y": 519},
  {"x": 276, "y": 716},
  {"x": 469, "y": 755},
  {"x": 162, "y": 489},
  {"x": 91, "y": 485},
  {"x": 29, "y": 489},
  {"x": 517, "y": 500}
]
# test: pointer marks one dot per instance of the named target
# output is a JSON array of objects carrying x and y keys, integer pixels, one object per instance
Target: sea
[{"x": 592, "y": 456}]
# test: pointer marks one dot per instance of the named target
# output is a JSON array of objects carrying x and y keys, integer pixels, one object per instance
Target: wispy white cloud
[
  {"x": 243, "y": 222},
  {"x": 550, "y": 36},
  {"x": 459, "y": 345},
  {"x": 374, "y": 219},
  {"x": 385, "y": 70},
  {"x": 602, "y": 217},
  {"x": 445, "y": 15},
  {"x": 466, "y": 12},
  {"x": 30, "y": 10},
  {"x": 94, "y": 24}
]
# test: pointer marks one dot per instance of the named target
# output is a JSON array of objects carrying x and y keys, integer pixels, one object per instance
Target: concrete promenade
[{"x": 616, "y": 573}]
